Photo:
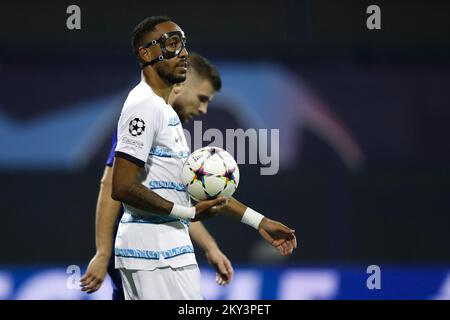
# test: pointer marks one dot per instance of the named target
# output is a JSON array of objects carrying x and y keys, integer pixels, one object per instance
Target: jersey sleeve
[
  {"x": 110, "y": 159},
  {"x": 136, "y": 132}
]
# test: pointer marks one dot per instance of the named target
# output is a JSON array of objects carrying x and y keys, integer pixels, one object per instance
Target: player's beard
[
  {"x": 170, "y": 76},
  {"x": 177, "y": 106}
]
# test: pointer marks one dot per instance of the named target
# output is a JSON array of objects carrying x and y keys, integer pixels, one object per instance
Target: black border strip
[{"x": 126, "y": 156}]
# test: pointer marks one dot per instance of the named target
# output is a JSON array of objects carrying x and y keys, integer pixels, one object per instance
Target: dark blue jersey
[
  {"x": 114, "y": 273},
  {"x": 109, "y": 163},
  {"x": 110, "y": 160}
]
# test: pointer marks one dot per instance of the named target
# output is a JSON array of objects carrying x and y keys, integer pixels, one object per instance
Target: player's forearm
[
  {"x": 138, "y": 196},
  {"x": 240, "y": 211},
  {"x": 106, "y": 215},
  {"x": 235, "y": 209},
  {"x": 201, "y": 236},
  {"x": 127, "y": 188}
]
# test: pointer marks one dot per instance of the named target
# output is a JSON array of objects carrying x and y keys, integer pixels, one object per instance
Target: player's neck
[{"x": 159, "y": 86}]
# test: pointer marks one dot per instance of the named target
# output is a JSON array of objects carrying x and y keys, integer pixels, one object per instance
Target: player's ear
[
  {"x": 177, "y": 88},
  {"x": 144, "y": 54}
]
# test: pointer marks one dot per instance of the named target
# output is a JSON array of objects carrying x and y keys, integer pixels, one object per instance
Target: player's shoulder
[{"x": 143, "y": 100}]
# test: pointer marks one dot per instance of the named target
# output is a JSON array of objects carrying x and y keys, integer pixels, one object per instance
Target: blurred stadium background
[{"x": 364, "y": 125}]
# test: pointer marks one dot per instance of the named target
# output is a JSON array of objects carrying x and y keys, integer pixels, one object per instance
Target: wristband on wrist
[
  {"x": 252, "y": 218},
  {"x": 182, "y": 212}
]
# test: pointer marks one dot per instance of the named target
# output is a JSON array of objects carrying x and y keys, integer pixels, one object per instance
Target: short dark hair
[
  {"x": 205, "y": 69},
  {"x": 145, "y": 26}
]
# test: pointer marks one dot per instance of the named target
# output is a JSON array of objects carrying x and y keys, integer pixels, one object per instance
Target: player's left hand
[
  {"x": 95, "y": 274},
  {"x": 223, "y": 267},
  {"x": 278, "y": 235}
]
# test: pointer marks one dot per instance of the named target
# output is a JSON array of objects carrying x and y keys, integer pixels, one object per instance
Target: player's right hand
[
  {"x": 95, "y": 274},
  {"x": 209, "y": 208}
]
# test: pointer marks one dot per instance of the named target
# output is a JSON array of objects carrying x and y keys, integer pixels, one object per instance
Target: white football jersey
[{"x": 150, "y": 134}]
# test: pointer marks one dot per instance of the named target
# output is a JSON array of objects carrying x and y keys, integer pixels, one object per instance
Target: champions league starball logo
[{"x": 137, "y": 127}]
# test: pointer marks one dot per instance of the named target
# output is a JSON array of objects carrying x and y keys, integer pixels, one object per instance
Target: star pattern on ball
[
  {"x": 229, "y": 176},
  {"x": 136, "y": 127},
  {"x": 213, "y": 151},
  {"x": 199, "y": 175}
]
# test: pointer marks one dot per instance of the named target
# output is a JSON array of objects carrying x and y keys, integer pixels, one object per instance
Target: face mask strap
[
  {"x": 154, "y": 61},
  {"x": 165, "y": 53}
]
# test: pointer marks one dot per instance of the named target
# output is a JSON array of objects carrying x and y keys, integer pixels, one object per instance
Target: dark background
[{"x": 390, "y": 88}]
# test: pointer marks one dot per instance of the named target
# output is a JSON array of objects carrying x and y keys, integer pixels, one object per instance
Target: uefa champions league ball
[{"x": 210, "y": 172}]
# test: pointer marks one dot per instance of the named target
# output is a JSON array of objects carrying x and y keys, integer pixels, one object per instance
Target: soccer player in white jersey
[
  {"x": 153, "y": 250},
  {"x": 189, "y": 99}
]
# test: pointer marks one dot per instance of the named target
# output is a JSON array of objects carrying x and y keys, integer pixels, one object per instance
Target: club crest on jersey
[{"x": 136, "y": 127}]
